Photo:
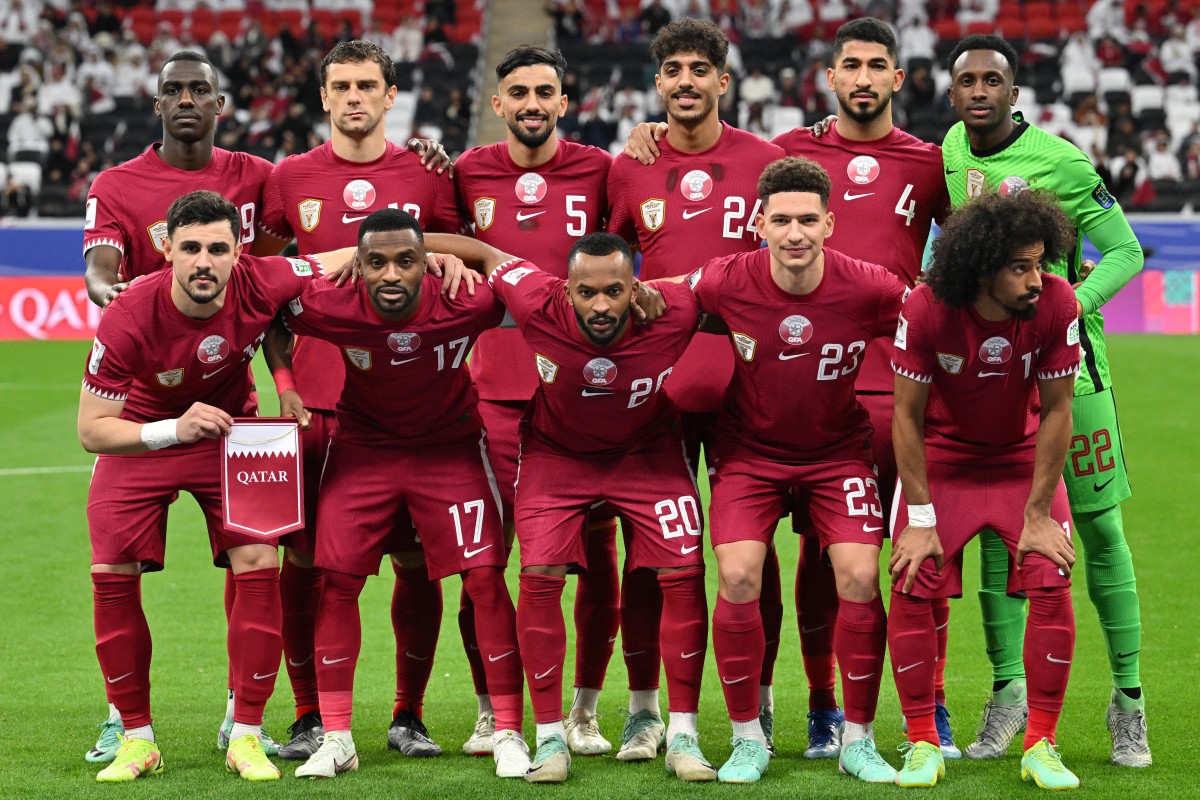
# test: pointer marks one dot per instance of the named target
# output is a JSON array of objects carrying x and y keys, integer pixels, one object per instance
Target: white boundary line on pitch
[{"x": 18, "y": 471}]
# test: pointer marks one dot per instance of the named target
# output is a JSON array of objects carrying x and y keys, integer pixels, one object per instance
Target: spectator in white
[
  {"x": 910, "y": 10},
  {"x": 793, "y": 14},
  {"x": 377, "y": 35},
  {"x": 59, "y": 91},
  {"x": 1088, "y": 131},
  {"x": 696, "y": 9},
  {"x": 629, "y": 97},
  {"x": 29, "y": 133},
  {"x": 1162, "y": 164},
  {"x": 1107, "y": 18},
  {"x": 756, "y": 20},
  {"x": 833, "y": 11},
  {"x": 627, "y": 120},
  {"x": 408, "y": 38},
  {"x": 758, "y": 88},
  {"x": 1079, "y": 54},
  {"x": 76, "y": 32},
  {"x": 19, "y": 20},
  {"x": 98, "y": 68},
  {"x": 916, "y": 40},
  {"x": 976, "y": 11},
  {"x": 1175, "y": 55}
]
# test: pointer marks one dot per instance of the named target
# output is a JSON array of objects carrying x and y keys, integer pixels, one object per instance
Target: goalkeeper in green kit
[{"x": 993, "y": 149}]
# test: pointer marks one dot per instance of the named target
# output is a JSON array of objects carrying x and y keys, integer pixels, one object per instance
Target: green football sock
[
  {"x": 1003, "y": 616},
  {"x": 1113, "y": 590}
]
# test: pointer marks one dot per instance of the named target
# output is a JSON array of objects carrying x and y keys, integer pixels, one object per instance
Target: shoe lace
[
  {"x": 743, "y": 752},
  {"x": 636, "y": 723},
  {"x": 995, "y": 717},
  {"x": 915, "y": 758},
  {"x": 821, "y": 725},
  {"x": 865, "y": 750},
  {"x": 1130, "y": 730},
  {"x": 483, "y": 724},
  {"x": 110, "y": 732},
  {"x": 1049, "y": 757}
]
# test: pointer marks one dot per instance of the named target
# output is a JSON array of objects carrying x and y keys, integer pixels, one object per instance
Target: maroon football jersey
[
  {"x": 407, "y": 382},
  {"x": 160, "y": 362},
  {"x": 983, "y": 402},
  {"x": 127, "y": 204},
  {"x": 536, "y": 213},
  {"x": 320, "y": 198},
  {"x": 595, "y": 400},
  {"x": 886, "y": 193},
  {"x": 792, "y": 394}
]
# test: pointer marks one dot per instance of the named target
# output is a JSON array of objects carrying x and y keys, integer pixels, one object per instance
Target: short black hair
[
  {"x": 687, "y": 35},
  {"x": 978, "y": 240},
  {"x": 794, "y": 174},
  {"x": 357, "y": 51},
  {"x": 600, "y": 244},
  {"x": 986, "y": 41},
  {"x": 201, "y": 208},
  {"x": 390, "y": 219},
  {"x": 865, "y": 29},
  {"x": 529, "y": 55},
  {"x": 191, "y": 55}
]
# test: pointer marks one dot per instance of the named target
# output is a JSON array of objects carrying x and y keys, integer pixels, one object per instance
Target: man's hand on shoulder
[
  {"x": 648, "y": 303},
  {"x": 433, "y": 155},
  {"x": 822, "y": 126},
  {"x": 454, "y": 274},
  {"x": 642, "y": 144}
]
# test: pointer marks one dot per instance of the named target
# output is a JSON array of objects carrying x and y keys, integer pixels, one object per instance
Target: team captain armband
[
  {"x": 922, "y": 516},
  {"x": 157, "y": 435}
]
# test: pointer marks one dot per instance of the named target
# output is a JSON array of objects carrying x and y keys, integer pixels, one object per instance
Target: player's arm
[
  {"x": 267, "y": 245},
  {"x": 474, "y": 253},
  {"x": 101, "y": 429},
  {"x": 101, "y": 276},
  {"x": 1041, "y": 534},
  {"x": 277, "y": 351},
  {"x": 919, "y": 540},
  {"x": 1121, "y": 259}
]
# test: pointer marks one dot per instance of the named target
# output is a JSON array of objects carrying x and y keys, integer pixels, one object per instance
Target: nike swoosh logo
[
  {"x": 691, "y": 655},
  {"x": 258, "y": 677},
  {"x": 300, "y": 663},
  {"x": 813, "y": 630},
  {"x": 871, "y": 528},
  {"x": 848, "y": 196},
  {"x": 325, "y": 660},
  {"x": 1127, "y": 655},
  {"x": 995, "y": 651},
  {"x": 690, "y": 214},
  {"x": 686, "y": 550},
  {"x": 951, "y": 171},
  {"x": 991, "y": 374},
  {"x": 123, "y": 677},
  {"x": 522, "y": 216},
  {"x": 790, "y": 356},
  {"x": 1099, "y": 487},
  {"x": 735, "y": 680},
  {"x": 539, "y": 676},
  {"x": 628, "y": 654},
  {"x": 854, "y": 677},
  {"x": 347, "y": 219},
  {"x": 502, "y": 655},
  {"x": 208, "y": 375},
  {"x": 473, "y": 553},
  {"x": 414, "y": 657},
  {"x": 910, "y": 666},
  {"x": 612, "y": 639},
  {"x": 942, "y": 627},
  {"x": 1054, "y": 660},
  {"x": 593, "y": 393},
  {"x": 398, "y": 361}
]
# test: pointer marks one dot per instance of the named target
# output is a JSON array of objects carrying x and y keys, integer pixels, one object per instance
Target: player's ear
[
  {"x": 324, "y": 99},
  {"x": 724, "y": 84},
  {"x": 220, "y": 104},
  {"x": 829, "y": 77},
  {"x": 898, "y": 80},
  {"x": 1015, "y": 91},
  {"x": 828, "y": 224},
  {"x": 390, "y": 97},
  {"x": 496, "y": 106}
]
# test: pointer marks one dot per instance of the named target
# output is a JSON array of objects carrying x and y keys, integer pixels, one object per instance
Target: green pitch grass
[{"x": 52, "y": 691}]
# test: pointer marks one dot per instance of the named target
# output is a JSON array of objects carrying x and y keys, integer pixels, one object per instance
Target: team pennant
[{"x": 262, "y": 484}]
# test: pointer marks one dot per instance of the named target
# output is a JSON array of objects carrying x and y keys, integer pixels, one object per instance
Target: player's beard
[
  {"x": 396, "y": 307},
  {"x": 1022, "y": 313},
  {"x": 864, "y": 117},
  {"x": 606, "y": 338},
  {"x": 694, "y": 115},
  {"x": 533, "y": 139},
  {"x": 203, "y": 296}
]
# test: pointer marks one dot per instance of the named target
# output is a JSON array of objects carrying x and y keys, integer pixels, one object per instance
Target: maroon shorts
[
  {"x": 128, "y": 500},
  {"x": 654, "y": 493},
  {"x": 749, "y": 495},
  {"x": 970, "y": 499},
  {"x": 368, "y": 495},
  {"x": 314, "y": 443}
]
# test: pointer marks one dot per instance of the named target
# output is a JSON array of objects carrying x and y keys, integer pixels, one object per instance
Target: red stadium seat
[
  {"x": 1039, "y": 10},
  {"x": 947, "y": 28},
  {"x": 982, "y": 26},
  {"x": 1011, "y": 27},
  {"x": 1043, "y": 29}
]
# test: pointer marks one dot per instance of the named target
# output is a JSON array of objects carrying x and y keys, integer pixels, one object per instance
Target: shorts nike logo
[
  {"x": 991, "y": 374},
  {"x": 415, "y": 657},
  {"x": 690, "y": 655},
  {"x": 473, "y": 553},
  {"x": 541, "y": 675},
  {"x": 502, "y": 655},
  {"x": 347, "y": 219},
  {"x": 123, "y": 677},
  {"x": 398, "y": 361},
  {"x": 871, "y": 528},
  {"x": 814, "y": 630},
  {"x": 686, "y": 550},
  {"x": 1099, "y": 487},
  {"x": 942, "y": 627},
  {"x": 735, "y": 680},
  {"x": 208, "y": 375},
  {"x": 258, "y": 677},
  {"x": 910, "y": 666},
  {"x": 847, "y": 196},
  {"x": 594, "y": 393},
  {"x": 1054, "y": 660},
  {"x": 522, "y": 216},
  {"x": 854, "y": 677},
  {"x": 690, "y": 214},
  {"x": 629, "y": 654},
  {"x": 326, "y": 660},
  {"x": 1127, "y": 655},
  {"x": 790, "y": 356},
  {"x": 612, "y": 639},
  {"x": 292, "y": 663}
]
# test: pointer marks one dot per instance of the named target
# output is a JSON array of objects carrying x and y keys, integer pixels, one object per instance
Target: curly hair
[
  {"x": 978, "y": 240},
  {"x": 688, "y": 35},
  {"x": 358, "y": 51},
  {"x": 794, "y": 174}
]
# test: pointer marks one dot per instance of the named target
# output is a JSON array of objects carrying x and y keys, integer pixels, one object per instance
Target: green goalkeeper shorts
[{"x": 1095, "y": 472}]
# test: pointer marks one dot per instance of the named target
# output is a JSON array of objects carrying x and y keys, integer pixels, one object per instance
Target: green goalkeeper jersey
[{"x": 1033, "y": 159}]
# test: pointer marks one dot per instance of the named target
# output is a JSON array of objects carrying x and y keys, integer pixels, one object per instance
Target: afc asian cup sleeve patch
[
  {"x": 693, "y": 279},
  {"x": 1102, "y": 196},
  {"x": 97, "y": 357},
  {"x": 1073, "y": 332},
  {"x": 902, "y": 333},
  {"x": 301, "y": 267}
]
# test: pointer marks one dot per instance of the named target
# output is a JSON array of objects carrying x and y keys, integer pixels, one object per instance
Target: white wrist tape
[
  {"x": 922, "y": 516},
  {"x": 157, "y": 435}
]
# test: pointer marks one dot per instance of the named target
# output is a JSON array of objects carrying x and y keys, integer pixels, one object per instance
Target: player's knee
[
  {"x": 553, "y": 570},
  {"x": 740, "y": 582},
  {"x": 131, "y": 568},
  {"x": 413, "y": 559},
  {"x": 298, "y": 558},
  {"x": 485, "y": 586},
  {"x": 253, "y": 557},
  {"x": 858, "y": 582}
]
